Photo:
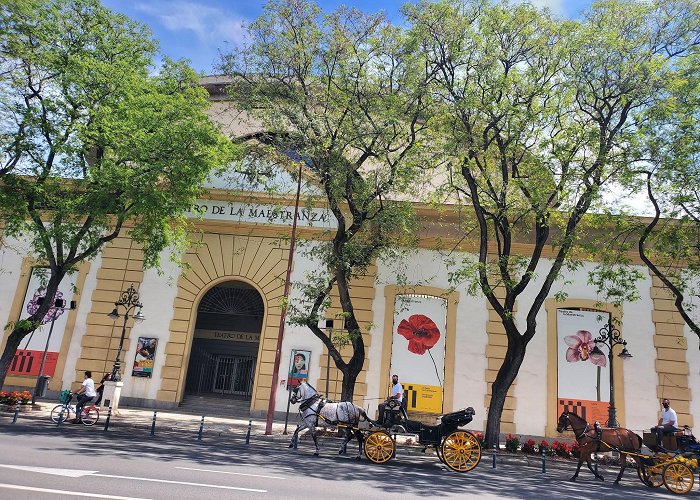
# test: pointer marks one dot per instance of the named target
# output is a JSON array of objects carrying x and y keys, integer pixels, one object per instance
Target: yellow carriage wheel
[
  {"x": 654, "y": 473},
  {"x": 678, "y": 478},
  {"x": 461, "y": 451},
  {"x": 379, "y": 447},
  {"x": 438, "y": 452}
]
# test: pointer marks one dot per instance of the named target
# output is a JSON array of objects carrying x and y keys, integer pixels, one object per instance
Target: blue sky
[{"x": 198, "y": 29}]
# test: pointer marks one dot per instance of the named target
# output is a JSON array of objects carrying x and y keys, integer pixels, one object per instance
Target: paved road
[{"x": 38, "y": 460}]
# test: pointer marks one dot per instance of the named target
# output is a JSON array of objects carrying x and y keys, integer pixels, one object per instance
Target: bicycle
[{"x": 88, "y": 416}]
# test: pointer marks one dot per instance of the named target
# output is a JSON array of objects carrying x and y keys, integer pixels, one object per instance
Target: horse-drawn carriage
[
  {"x": 458, "y": 449},
  {"x": 672, "y": 463}
]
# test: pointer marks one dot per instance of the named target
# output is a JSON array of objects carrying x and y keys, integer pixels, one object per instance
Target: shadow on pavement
[{"x": 416, "y": 476}]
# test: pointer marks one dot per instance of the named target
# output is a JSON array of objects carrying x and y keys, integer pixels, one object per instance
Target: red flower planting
[{"x": 420, "y": 331}]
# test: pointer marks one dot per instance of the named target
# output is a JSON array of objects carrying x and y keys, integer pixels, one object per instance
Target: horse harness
[
  {"x": 307, "y": 405},
  {"x": 598, "y": 437}
]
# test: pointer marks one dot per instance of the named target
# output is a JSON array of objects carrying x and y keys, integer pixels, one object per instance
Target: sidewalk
[
  {"x": 172, "y": 421},
  {"x": 186, "y": 426}
]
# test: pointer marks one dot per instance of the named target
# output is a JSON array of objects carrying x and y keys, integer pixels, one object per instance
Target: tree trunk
[
  {"x": 348, "y": 385},
  {"x": 506, "y": 375},
  {"x": 20, "y": 332},
  {"x": 8, "y": 354}
]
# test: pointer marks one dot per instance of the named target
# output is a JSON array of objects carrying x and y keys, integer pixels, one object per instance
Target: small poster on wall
[
  {"x": 145, "y": 354},
  {"x": 298, "y": 367}
]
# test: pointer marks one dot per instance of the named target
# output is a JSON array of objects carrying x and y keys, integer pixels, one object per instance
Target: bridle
[
  {"x": 304, "y": 403},
  {"x": 583, "y": 433}
]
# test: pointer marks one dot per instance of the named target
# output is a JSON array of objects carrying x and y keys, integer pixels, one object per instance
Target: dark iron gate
[{"x": 220, "y": 374}]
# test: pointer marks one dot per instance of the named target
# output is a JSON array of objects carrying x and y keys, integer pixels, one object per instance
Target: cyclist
[{"x": 85, "y": 394}]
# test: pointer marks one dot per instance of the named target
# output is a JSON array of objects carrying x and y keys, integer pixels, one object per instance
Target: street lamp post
[
  {"x": 611, "y": 337},
  {"x": 59, "y": 305},
  {"x": 129, "y": 300}
]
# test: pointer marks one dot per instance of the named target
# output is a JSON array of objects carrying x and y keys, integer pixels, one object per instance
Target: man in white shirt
[
  {"x": 396, "y": 394},
  {"x": 85, "y": 394},
  {"x": 668, "y": 422}
]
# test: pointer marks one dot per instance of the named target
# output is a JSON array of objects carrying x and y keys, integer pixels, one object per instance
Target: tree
[
  {"x": 96, "y": 143},
  {"x": 344, "y": 93},
  {"x": 542, "y": 116},
  {"x": 671, "y": 247}
]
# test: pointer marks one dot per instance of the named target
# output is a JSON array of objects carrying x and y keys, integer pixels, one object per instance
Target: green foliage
[
  {"x": 344, "y": 93},
  {"x": 24, "y": 325},
  {"x": 512, "y": 443},
  {"x": 91, "y": 141},
  {"x": 540, "y": 117}
]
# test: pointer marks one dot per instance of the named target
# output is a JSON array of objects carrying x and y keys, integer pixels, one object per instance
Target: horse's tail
[{"x": 640, "y": 441}]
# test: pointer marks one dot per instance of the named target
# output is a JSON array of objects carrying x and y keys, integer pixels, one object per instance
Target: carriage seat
[
  {"x": 395, "y": 413},
  {"x": 458, "y": 418},
  {"x": 668, "y": 442}
]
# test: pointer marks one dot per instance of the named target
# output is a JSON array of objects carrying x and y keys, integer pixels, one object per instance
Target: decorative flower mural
[
  {"x": 52, "y": 314},
  {"x": 580, "y": 348},
  {"x": 421, "y": 332}
]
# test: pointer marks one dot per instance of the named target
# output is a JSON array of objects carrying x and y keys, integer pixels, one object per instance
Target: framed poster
[
  {"x": 298, "y": 367},
  {"x": 582, "y": 373},
  {"x": 418, "y": 350},
  {"x": 49, "y": 336},
  {"x": 145, "y": 354}
]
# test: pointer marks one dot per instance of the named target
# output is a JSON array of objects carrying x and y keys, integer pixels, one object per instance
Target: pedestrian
[{"x": 101, "y": 389}]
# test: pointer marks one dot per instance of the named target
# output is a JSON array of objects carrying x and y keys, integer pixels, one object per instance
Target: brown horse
[{"x": 592, "y": 441}]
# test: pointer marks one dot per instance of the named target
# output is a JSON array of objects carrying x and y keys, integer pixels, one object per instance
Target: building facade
[{"x": 212, "y": 325}]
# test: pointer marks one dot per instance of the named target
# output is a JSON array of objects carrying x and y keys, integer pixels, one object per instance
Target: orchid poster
[
  {"x": 418, "y": 349},
  {"x": 583, "y": 375},
  {"x": 27, "y": 359}
]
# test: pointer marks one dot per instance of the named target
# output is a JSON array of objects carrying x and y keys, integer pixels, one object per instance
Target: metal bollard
[
  {"x": 247, "y": 434},
  {"x": 494, "y": 456},
  {"x": 109, "y": 416},
  {"x": 153, "y": 424},
  {"x": 14, "y": 419},
  {"x": 201, "y": 429},
  {"x": 544, "y": 462}
]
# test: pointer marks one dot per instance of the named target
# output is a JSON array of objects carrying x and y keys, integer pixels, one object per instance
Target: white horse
[{"x": 316, "y": 411}]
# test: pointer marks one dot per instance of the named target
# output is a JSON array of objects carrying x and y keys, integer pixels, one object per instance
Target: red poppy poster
[
  {"x": 583, "y": 377},
  {"x": 418, "y": 350},
  {"x": 49, "y": 336}
]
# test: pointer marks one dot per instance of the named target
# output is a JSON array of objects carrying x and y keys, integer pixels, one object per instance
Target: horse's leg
[
  {"x": 623, "y": 466},
  {"x": 312, "y": 430},
  {"x": 578, "y": 468},
  {"x": 590, "y": 468},
  {"x": 295, "y": 436},
  {"x": 346, "y": 439},
  {"x": 358, "y": 435}
]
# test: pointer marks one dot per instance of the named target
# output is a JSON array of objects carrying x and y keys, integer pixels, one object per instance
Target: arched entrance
[{"x": 225, "y": 342}]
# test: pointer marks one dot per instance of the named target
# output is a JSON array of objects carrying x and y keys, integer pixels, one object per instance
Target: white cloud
[
  {"x": 206, "y": 22},
  {"x": 556, "y": 7}
]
